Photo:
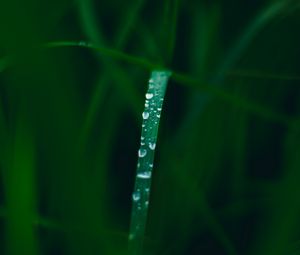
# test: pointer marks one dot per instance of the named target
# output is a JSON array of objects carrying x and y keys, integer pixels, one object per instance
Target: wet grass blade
[{"x": 151, "y": 116}]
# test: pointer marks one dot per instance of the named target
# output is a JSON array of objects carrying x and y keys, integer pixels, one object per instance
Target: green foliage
[{"x": 73, "y": 77}]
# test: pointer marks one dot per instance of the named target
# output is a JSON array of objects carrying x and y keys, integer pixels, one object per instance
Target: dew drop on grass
[
  {"x": 152, "y": 146},
  {"x": 142, "y": 153},
  {"x": 145, "y": 115},
  {"x": 136, "y": 196},
  {"x": 149, "y": 95},
  {"x": 144, "y": 175}
]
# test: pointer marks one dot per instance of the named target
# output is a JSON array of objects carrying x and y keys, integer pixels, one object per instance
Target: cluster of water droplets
[{"x": 152, "y": 112}]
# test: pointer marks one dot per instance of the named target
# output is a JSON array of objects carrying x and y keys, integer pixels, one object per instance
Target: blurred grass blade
[
  {"x": 200, "y": 101},
  {"x": 182, "y": 79},
  {"x": 172, "y": 28},
  {"x": 128, "y": 22},
  {"x": 235, "y": 100},
  {"x": 89, "y": 22},
  {"x": 119, "y": 55},
  {"x": 95, "y": 35},
  {"x": 21, "y": 195},
  {"x": 237, "y": 50}
]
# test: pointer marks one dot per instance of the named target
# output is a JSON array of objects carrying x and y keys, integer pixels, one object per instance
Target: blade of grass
[
  {"x": 151, "y": 116},
  {"x": 205, "y": 44},
  {"x": 95, "y": 35},
  {"x": 128, "y": 22},
  {"x": 172, "y": 26},
  {"x": 260, "y": 21},
  {"x": 199, "y": 101},
  {"x": 19, "y": 182},
  {"x": 121, "y": 56},
  {"x": 240, "y": 102},
  {"x": 247, "y": 105}
]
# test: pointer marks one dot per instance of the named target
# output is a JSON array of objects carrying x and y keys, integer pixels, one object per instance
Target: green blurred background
[{"x": 227, "y": 168}]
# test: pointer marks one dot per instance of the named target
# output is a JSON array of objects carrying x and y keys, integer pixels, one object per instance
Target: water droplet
[
  {"x": 136, "y": 196},
  {"x": 149, "y": 95},
  {"x": 152, "y": 146},
  {"x": 144, "y": 175},
  {"x": 142, "y": 153},
  {"x": 159, "y": 109},
  {"x": 145, "y": 115},
  {"x": 151, "y": 165},
  {"x": 146, "y": 105},
  {"x": 142, "y": 143},
  {"x": 158, "y": 115},
  {"x": 142, "y": 138},
  {"x": 146, "y": 203}
]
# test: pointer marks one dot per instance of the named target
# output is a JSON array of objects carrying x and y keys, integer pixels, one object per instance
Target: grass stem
[{"x": 140, "y": 197}]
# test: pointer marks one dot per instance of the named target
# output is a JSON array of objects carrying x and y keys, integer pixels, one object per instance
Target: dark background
[{"x": 227, "y": 167}]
